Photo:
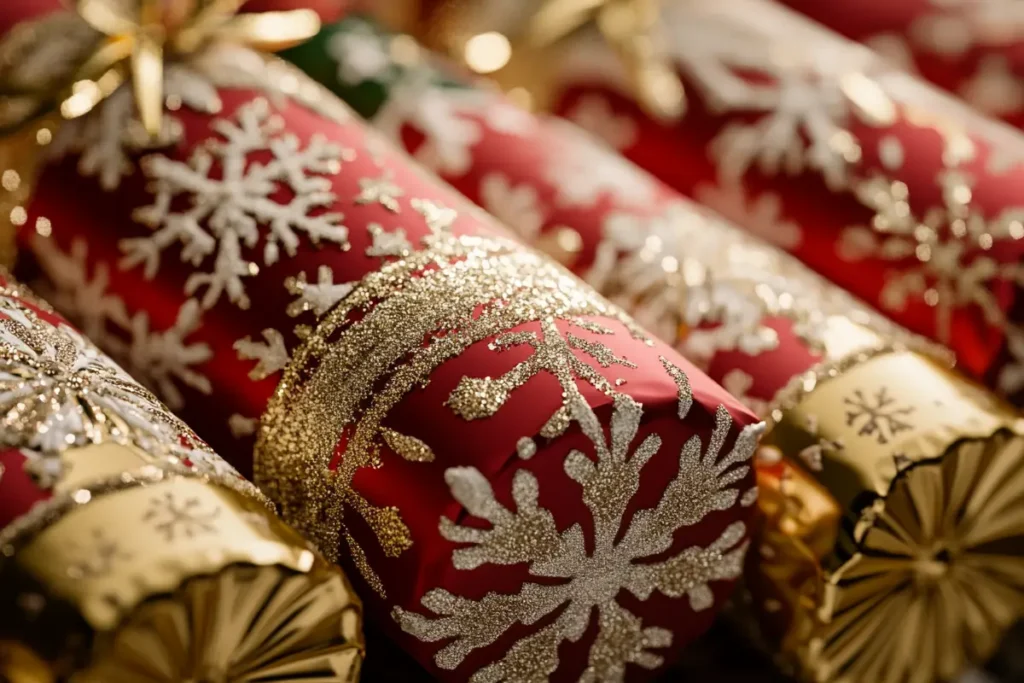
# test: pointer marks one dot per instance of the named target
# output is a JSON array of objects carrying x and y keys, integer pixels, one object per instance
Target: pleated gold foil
[{"x": 902, "y": 526}]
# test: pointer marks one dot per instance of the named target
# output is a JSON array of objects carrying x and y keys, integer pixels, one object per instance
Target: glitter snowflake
[
  {"x": 160, "y": 359},
  {"x": 58, "y": 391},
  {"x": 231, "y": 198},
  {"x": 477, "y": 397},
  {"x": 943, "y": 256},
  {"x": 576, "y": 584}
]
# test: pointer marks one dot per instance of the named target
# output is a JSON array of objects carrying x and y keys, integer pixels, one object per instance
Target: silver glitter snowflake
[{"x": 578, "y": 583}]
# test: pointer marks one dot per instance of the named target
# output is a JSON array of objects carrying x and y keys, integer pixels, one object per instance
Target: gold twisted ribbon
[{"x": 135, "y": 37}]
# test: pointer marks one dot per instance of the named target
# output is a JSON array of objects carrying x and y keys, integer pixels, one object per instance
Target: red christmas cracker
[
  {"x": 973, "y": 49},
  {"x": 125, "y": 541},
  {"x": 892, "y": 190},
  {"x": 527, "y": 485},
  {"x": 870, "y": 434}
]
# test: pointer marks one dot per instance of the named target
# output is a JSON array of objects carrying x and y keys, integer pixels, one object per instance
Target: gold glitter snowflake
[
  {"x": 367, "y": 353},
  {"x": 577, "y": 582},
  {"x": 477, "y": 397}
]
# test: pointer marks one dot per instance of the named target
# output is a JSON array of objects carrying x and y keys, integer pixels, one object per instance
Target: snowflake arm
[
  {"x": 700, "y": 486},
  {"x": 690, "y": 572},
  {"x": 477, "y": 397},
  {"x": 621, "y": 640},
  {"x": 476, "y": 623},
  {"x": 320, "y": 297},
  {"x": 271, "y": 355},
  {"x": 164, "y": 357},
  {"x": 502, "y": 544},
  {"x": 610, "y": 483}
]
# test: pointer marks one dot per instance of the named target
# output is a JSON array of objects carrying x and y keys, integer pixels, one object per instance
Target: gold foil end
[
  {"x": 891, "y": 545},
  {"x": 179, "y": 576}
]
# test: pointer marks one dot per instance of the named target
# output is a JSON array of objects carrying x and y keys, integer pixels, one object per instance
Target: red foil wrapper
[
  {"x": 523, "y": 480},
  {"x": 974, "y": 49},
  {"x": 867, "y": 428},
  {"x": 889, "y": 188}
]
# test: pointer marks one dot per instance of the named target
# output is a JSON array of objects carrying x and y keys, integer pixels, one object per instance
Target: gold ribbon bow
[
  {"x": 629, "y": 26},
  {"x": 133, "y": 38},
  {"x": 539, "y": 25}
]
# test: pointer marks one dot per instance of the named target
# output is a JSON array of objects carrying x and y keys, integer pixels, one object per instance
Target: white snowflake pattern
[
  {"x": 318, "y": 297},
  {"x": 228, "y": 206},
  {"x": 387, "y": 243},
  {"x": 361, "y": 53},
  {"x": 582, "y": 169},
  {"x": 593, "y": 113},
  {"x": 161, "y": 359},
  {"x": 517, "y": 206},
  {"x": 801, "y": 102},
  {"x": 943, "y": 254},
  {"x": 806, "y": 106},
  {"x": 591, "y": 582},
  {"x": 58, "y": 391},
  {"x": 761, "y": 215},
  {"x": 451, "y": 119},
  {"x": 271, "y": 355},
  {"x": 673, "y": 273},
  {"x": 108, "y": 137}
]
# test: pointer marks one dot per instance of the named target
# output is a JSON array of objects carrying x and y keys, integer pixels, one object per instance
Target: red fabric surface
[
  {"x": 974, "y": 49},
  {"x": 923, "y": 131},
  {"x": 524, "y": 159}
]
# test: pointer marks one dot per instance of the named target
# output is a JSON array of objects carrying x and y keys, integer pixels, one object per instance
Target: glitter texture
[
  {"x": 58, "y": 391},
  {"x": 368, "y": 353},
  {"x": 590, "y": 582}
]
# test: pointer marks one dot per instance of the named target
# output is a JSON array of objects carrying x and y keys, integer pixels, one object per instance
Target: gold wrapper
[
  {"x": 894, "y": 522},
  {"x": 144, "y": 556}
]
